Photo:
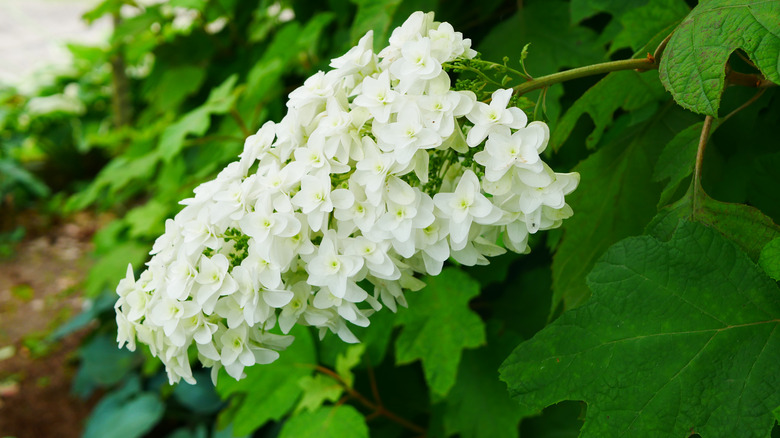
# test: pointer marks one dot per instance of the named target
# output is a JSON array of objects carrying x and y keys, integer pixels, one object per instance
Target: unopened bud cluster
[{"x": 379, "y": 172}]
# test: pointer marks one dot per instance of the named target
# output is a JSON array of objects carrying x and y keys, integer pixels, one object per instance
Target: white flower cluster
[{"x": 331, "y": 213}]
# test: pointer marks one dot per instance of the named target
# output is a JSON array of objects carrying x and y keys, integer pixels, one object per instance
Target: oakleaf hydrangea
[{"x": 379, "y": 173}]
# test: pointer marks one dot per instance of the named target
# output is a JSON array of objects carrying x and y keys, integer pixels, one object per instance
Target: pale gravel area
[{"x": 33, "y": 34}]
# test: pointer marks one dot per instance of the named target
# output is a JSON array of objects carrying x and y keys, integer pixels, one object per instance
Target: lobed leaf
[
  {"x": 333, "y": 422},
  {"x": 679, "y": 337},
  {"x": 438, "y": 326},
  {"x": 693, "y": 66}
]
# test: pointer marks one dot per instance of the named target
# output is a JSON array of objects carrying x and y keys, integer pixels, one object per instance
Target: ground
[{"x": 39, "y": 289}]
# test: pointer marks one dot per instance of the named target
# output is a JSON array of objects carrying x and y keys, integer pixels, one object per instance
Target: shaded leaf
[
  {"x": 125, "y": 413},
  {"x": 555, "y": 44},
  {"x": 479, "y": 404},
  {"x": 677, "y": 160},
  {"x": 627, "y": 90},
  {"x": 438, "y": 325},
  {"x": 615, "y": 199},
  {"x": 693, "y": 67},
  {"x": 641, "y": 24},
  {"x": 680, "y": 337}
]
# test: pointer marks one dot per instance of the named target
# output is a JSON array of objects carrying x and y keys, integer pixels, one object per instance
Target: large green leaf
[
  {"x": 270, "y": 391},
  {"x": 627, "y": 90},
  {"x": 680, "y": 337},
  {"x": 438, "y": 325},
  {"x": 615, "y": 199},
  {"x": 478, "y": 405},
  {"x": 693, "y": 67},
  {"x": 333, "y": 422}
]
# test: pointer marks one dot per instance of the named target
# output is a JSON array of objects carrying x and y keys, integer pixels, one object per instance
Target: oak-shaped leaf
[
  {"x": 438, "y": 325},
  {"x": 679, "y": 337},
  {"x": 693, "y": 66}
]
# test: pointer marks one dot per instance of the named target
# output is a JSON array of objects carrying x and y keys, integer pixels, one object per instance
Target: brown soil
[{"x": 39, "y": 289}]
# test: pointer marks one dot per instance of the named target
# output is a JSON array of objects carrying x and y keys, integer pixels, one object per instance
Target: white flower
[
  {"x": 495, "y": 117},
  {"x": 463, "y": 206},
  {"x": 364, "y": 183}
]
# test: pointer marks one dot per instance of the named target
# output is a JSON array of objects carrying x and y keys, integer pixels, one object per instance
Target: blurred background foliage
[{"x": 135, "y": 124}]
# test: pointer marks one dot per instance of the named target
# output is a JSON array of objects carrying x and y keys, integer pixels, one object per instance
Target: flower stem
[{"x": 581, "y": 72}]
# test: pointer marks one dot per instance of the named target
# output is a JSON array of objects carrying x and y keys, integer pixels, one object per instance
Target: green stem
[{"x": 581, "y": 72}]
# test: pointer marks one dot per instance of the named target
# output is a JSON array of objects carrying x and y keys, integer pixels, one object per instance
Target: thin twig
[
  {"x": 376, "y": 409},
  {"x": 744, "y": 105},
  {"x": 240, "y": 121}
]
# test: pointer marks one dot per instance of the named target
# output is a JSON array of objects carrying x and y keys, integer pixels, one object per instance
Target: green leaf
[
  {"x": 643, "y": 23},
  {"x": 317, "y": 390},
  {"x": 627, "y": 90},
  {"x": 173, "y": 85},
  {"x": 770, "y": 258},
  {"x": 270, "y": 391},
  {"x": 345, "y": 362},
  {"x": 693, "y": 66},
  {"x": 373, "y": 15},
  {"x": 438, "y": 325},
  {"x": 200, "y": 397},
  {"x": 337, "y": 422},
  {"x": 677, "y": 160},
  {"x": 125, "y": 413},
  {"x": 614, "y": 200},
  {"x": 680, "y": 337},
  {"x": 197, "y": 121},
  {"x": 744, "y": 225},
  {"x": 112, "y": 265},
  {"x": 582, "y": 9},
  {"x": 102, "y": 365},
  {"x": 479, "y": 405},
  {"x": 375, "y": 337}
]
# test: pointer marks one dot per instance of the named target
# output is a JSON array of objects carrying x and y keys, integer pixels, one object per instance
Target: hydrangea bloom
[{"x": 334, "y": 212}]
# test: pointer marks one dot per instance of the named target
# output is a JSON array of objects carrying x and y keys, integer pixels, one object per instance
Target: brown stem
[
  {"x": 705, "y": 135},
  {"x": 660, "y": 49},
  {"x": 748, "y": 80},
  {"x": 372, "y": 381},
  {"x": 237, "y": 117},
  {"x": 376, "y": 408},
  {"x": 120, "y": 100}
]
